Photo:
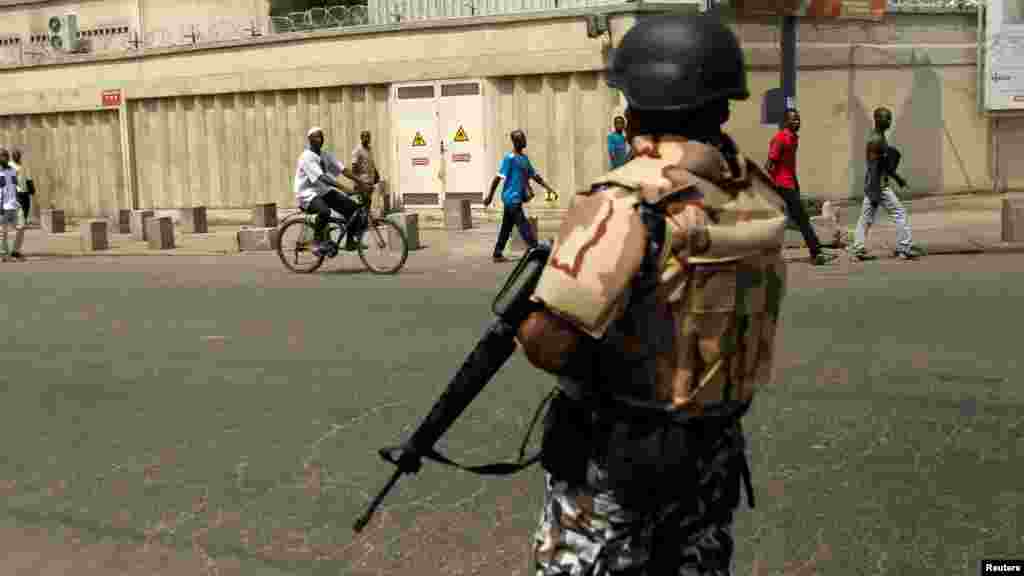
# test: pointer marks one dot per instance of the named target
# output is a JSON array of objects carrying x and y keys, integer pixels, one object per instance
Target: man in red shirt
[{"x": 782, "y": 167}]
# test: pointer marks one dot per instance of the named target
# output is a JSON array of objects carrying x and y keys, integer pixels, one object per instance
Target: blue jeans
[
  {"x": 514, "y": 215},
  {"x": 896, "y": 211}
]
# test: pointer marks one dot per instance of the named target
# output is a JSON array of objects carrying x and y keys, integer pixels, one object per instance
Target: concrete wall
[
  {"x": 235, "y": 150},
  {"x": 386, "y": 54},
  {"x": 74, "y": 158},
  {"x": 27, "y": 21},
  {"x": 1007, "y": 148},
  {"x": 566, "y": 118},
  {"x": 167, "y": 22},
  {"x": 156, "y": 23},
  {"x": 922, "y": 67},
  {"x": 222, "y": 126}
]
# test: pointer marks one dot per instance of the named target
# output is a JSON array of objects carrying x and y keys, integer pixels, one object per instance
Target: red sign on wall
[
  {"x": 420, "y": 161},
  {"x": 460, "y": 157},
  {"x": 111, "y": 98}
]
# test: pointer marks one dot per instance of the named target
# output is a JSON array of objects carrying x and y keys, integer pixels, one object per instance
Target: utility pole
[{"x": 788, "y": 70}]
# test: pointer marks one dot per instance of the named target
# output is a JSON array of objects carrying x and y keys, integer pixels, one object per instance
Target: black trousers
[
  {"x": 797, "y": 213},
  {"x": 25, "y": 199},
  {"x": 514, "y": 215},
  {"x": 322, "y": 206}
]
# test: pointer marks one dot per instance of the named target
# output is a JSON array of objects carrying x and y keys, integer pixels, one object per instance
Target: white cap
[{"x": 314, "y": 130}]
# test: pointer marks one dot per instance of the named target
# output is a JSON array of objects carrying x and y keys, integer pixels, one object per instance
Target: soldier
[{"x": 657, "y": 311}]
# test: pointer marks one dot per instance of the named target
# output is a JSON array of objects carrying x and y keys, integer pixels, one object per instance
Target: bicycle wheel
[
  {"x": 383, "y": 247},
  {"x": 295, "y": 246}
]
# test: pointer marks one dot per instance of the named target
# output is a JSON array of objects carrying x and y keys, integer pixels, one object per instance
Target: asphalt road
[{"x": 157, "y": 413}]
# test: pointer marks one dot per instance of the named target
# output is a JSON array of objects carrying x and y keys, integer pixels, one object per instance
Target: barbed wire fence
[{"x": 15, "y": 50}]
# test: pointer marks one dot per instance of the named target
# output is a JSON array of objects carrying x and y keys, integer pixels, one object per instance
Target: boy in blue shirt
[
  {"x": 516, "y": 171},
  {"x": 618, "y": 150}
]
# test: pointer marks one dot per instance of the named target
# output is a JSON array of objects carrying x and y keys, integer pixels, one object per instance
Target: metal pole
[{"x": 788, "y": 75}]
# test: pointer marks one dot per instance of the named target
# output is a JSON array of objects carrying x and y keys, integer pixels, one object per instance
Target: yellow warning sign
[
  {"x": 460, "y": 136},
  {"x": 418, "y": 140}
]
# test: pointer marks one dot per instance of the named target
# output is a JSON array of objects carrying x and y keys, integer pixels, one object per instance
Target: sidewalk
[
  {"x": 938, "y": 225},
  {"x": 965, "y": 224}
]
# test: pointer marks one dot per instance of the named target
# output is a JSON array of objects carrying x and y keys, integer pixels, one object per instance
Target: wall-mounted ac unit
[{"x": 63, "y": 31}]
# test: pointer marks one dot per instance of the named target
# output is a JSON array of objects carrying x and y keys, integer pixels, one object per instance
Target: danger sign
[
  {"x": 460, "y": 157},
  {"x": 418, "y": 140},
  {"x": 420, "y": 161},
  {"x": 460, "y": 135}
]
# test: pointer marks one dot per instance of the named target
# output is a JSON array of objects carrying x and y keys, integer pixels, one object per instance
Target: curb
[{"x": 102, "y": 254}]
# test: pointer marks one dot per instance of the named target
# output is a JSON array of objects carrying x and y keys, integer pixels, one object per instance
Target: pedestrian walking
[
  {"x": 882, "y": 162},
  {"x": 658, "y": 316},
  {"x": 781, "y": 166},
  {"x": 364, "y": 170},
  {"x": 516, "y": 171},
  {"x": 618, "y": 148},
  {"x": 9, "y": 207},
  {"x": 26, "y": 188}
]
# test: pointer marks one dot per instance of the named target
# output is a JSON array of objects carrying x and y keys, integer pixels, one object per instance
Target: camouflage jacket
[{"x": 706, "y": 333}]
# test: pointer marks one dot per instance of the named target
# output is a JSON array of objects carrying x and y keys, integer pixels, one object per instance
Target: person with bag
[
  {"x": 657, "y": 312},
  {"x": 26, "y": 188},
  {"x": 882, "y": 161},
  {"x": 516, "y": 171}
]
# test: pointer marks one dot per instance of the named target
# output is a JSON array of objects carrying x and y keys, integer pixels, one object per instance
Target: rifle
[{"x": 511, "y": 306}]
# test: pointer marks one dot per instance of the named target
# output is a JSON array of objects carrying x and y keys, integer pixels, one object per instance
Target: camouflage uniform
[{"x": 684, "y": 360}]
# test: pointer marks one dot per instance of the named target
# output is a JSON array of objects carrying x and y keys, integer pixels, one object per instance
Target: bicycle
[{"x": 381, "y": 235}]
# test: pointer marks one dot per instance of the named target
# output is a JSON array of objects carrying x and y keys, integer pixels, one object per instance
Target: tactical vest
[{"x": 674, "y": 260}]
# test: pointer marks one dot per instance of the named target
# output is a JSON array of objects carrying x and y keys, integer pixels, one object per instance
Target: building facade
[{"x": 219, "y": 120}]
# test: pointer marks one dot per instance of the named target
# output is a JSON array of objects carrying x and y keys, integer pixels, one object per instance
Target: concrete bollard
[
  {"x": 257, "y": 239},
  {"x": 457, "y": 215},
  {"x": 160, "y": 233},
  {"x": 53, "y": 221},
  {"x": 410, "y": 225},
  {"x": 517, "y": 239},
  {"x": 138, "y": 226},
  {"x": 827, "y": 230},
  {"x": 124, "y": 221},
  {"x": 264, "y": 215},
  {"x": 381, "y": 205},
  {"x": 830, "y": 211},
  {"x": 1013, "y": 220},
  {"x": 94, "y": 235},
  {"x": 193, "y": 219}
]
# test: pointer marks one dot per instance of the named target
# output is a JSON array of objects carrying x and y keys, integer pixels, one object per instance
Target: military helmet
[{"x": 678, "y": 62}]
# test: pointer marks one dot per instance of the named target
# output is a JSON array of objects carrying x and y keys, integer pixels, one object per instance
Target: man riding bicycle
[{"x": 318, "y": 192}]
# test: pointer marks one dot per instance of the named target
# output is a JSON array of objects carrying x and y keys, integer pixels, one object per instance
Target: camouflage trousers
[{"x": 587, "y": 530}]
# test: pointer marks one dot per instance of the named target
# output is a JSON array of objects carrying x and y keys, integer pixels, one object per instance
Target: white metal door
[
  {"x": 463, "y": 154},
  {"x": 417, "y": 146}
]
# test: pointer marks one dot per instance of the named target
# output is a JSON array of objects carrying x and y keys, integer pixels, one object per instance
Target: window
[
  {"x": 415, "y": 92},
  {"x": 462, "y": 89}
]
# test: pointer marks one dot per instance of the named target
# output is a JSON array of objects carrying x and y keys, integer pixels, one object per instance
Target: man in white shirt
[
  {"x": 9, "y": 206},
  {"x": 318, "y": 192}
]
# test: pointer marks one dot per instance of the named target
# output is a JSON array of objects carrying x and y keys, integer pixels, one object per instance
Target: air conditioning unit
[{"x": 63, "y": 31}]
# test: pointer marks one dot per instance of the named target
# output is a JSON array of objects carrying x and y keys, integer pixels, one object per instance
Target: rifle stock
[{"x": 512, "y": 306}]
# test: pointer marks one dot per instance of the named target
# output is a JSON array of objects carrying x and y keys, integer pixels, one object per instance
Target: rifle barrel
[{"x": 488, "y": 356}]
